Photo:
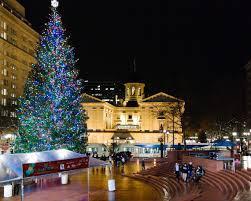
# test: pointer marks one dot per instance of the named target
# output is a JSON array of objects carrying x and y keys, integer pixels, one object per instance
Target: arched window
[
  {"x": 139, "y": 93},
  {"x": 128, "y": 92},
  {"x": 133, "y": 91}
]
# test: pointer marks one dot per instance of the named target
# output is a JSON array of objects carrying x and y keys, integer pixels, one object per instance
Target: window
[
  {"x": 14, "y": 102},
  {"x": 128, "y": 92},
  {"x": 129, "y": 116},
  {"x": 13, "y": 114},
  {"x": 4, "y": 113},
  {"x": 13, "y": 95},
  {"x": 13, "y": 86},
  {"x": 13, "y": 67},
  {"x": 139, "y": 92},
  {"x": 133, "y": 91},
  {"x": 5, "y": 82},
  {"x": 4, "y": 72},
  {"x": 13, "y": 77},
  {"x": 4, "y": 101},
  {"x": 3, "y": 35},
  {"x": 4, "y": 25},
  {"x": 4, "y": 92}
]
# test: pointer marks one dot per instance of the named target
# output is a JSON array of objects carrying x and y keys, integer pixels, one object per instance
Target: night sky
[{"x": 195, "y": 50}]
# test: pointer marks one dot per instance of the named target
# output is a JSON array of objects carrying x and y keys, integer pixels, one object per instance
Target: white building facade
[{"x": 138, "y": 126}]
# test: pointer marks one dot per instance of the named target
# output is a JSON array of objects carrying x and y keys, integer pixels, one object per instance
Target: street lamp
[{"x": 165, "y": 132}]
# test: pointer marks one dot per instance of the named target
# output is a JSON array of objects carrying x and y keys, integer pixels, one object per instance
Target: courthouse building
[
  {"x": 17, "y": 53},
  {"x": 137, "y": 126}
]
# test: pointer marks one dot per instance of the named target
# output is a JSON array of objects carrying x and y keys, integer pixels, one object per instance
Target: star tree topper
[{"x": 54, "y": 3}]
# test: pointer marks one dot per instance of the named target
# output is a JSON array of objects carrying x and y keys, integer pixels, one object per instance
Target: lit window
[
  {"x": 4, "y": 72},
  {"x": 4, "y": 113},
  {"x": 4, "y": 25},
  {"x": 112, "y": 89},
  {"x": 3, "y": 35},
  {"x": 14, "y": 102},
  {"x": 14, "y": 86},
  {"x": 13, "y": 67},
  {"x": 4, "y": 92},
  {"x": 139, "y": 91},
  {"x": 133, "y": 91},
  {"x": 13, "y": 95},
  {"x": 13, "y": 77},
  {"x": 13, "y": 114},
  {"x": 4, "y": 101}
]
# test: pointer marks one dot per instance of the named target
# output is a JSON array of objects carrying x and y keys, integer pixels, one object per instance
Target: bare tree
[{"x": 171, "y": 115}]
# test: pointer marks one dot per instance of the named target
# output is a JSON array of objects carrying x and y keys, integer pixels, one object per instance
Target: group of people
[
  {"x": 120, "y": 158},
  {"x": 188, "y": 172}
]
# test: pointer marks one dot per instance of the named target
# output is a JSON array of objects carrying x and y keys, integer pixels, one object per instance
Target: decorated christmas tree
[{"x": 50, "y": 112}]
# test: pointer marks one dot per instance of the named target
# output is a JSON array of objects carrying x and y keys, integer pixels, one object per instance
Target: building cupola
[{"x": 134, "y": 94}]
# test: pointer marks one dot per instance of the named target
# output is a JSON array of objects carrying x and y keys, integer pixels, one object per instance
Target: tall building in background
[
  {"x": 108, "y": 91},
  {"x": 248, "y": 94},
  {"x": 17, "y": 53}
]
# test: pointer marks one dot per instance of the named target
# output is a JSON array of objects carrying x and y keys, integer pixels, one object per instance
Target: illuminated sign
[
  {"x": 127, "y": 127},
  {"x": 43, "y": 168}
]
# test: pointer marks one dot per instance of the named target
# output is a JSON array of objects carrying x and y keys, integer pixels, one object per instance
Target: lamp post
[
  {"x": 161, "y": 147},
  {"x": 173, "y": 125}
]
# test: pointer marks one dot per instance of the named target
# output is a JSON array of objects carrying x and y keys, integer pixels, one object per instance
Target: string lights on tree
[{"x": 50, "y": 112}]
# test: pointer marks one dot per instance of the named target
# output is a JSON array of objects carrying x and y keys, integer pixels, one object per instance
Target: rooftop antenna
[{"x": 134, "y": 65}]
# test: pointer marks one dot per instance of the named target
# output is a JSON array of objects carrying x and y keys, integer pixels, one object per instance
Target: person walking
[
  {"x": 177, "y": 171},
  {"x": 190, "y": 171},
  {"x": 143, "y": 164},
  {"x": 199, "y": 173},
  {"x": 110, "y": 159},
  {"x": 184, "y": 172},
  {"x": 122, "y": 161},
  {"x": 16, "y": 188}
]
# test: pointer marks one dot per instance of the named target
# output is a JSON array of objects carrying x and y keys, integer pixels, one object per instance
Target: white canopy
[{"x": 11, "y": 164}]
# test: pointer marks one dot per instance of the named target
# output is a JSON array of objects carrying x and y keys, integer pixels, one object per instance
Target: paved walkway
[{"x": 126, "y": 189}]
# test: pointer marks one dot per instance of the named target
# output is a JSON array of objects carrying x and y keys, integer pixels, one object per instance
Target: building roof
[
  {"x": 11, "y": 164},
  {"x": 132, "y": 103},
  {"x": 122, "y": 135},
  {"x": 86, "y": 98},
  {"x": 162, "y": 97}
]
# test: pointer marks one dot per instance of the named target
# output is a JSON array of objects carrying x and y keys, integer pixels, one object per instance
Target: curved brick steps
[
  {"x": 228, "y": 178},
  {"x": 247, "y": 176},
  {"x": 213, "y": 182},
  {"x": 211, "y": 194},
  {"x": 240, "y": 185},
  {"x": 217, "y": 181},
  {"x": 179, "y": 186},
  {"x": 191, "y": 193},
  {"x": 173, "y": 188},
  {"x": 222, "y": 184},
  {"x": 243, "y": 180},
  {"x": 246, "y": 172},
  {"x": 157, "y": 186},
  {"x": 234, "y": 186}
]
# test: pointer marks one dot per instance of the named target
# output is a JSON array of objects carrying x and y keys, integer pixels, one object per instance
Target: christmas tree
[{"x": 50, "y": 112}]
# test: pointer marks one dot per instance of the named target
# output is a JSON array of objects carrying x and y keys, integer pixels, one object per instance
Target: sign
[
  {"x": 127, "y": 127},
  {"x": 43, "y": 168}
]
